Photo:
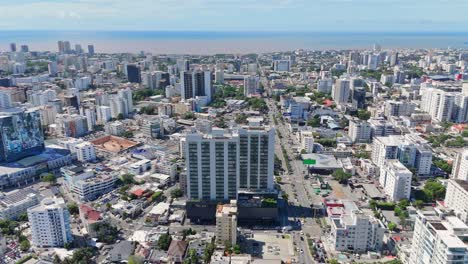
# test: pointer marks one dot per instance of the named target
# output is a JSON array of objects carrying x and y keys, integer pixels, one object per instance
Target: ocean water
[{"x": 205, "y": 42}]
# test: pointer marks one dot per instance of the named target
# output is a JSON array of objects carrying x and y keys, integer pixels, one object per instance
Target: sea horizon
[{"x": 238, "y": 42}]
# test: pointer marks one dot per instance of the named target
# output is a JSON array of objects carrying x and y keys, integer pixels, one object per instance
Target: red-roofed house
[{"x": 89, "y": 217}]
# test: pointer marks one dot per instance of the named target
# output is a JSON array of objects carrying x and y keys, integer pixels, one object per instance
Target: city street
[{"x": 295, "y": 186}]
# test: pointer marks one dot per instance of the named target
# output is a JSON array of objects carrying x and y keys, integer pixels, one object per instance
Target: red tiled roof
[
  {"x": 139, "y": 192},
  {"x": 328, "y": 102}
]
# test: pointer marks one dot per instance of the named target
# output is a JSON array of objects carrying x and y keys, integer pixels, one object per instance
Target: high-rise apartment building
[
  {"x": 50, "y": 223},
  {"x": 438, "y": 239},
  {"x": 133, "y": 73},
  {"x": 456, "y": 198},
  {"x": 399, "y": 108},
  {"x": 222, "y": 162},
  {"x": 251, "y": 85},
  {"x": 91, "y": 50},
  {"x": 395, "y": 179},
  {"x": 409, "y": 150},
  {"x": 226, "y": 224},
  {"x": 460, "y": 166},
  {"x": 341, "y": 91},
  {"x": 438, "y": 103},
  {"x": 281, "y": 65},
  {"x": 195, "y": 83},
  {"x": 359, "y": 131}
]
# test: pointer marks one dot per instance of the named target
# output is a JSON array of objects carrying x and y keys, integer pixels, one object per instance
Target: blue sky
[{"x": 236, "y": 15}]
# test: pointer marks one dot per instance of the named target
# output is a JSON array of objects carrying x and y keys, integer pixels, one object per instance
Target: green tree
[
  {"x": 25, "y": 245},
  {"x": 176, "y": 193},
  {"x": 132, "y": 259},
  {"x": 314, "y": 122},
  {"x": 363, "y": 114},
  {"x": 7, "y": 227},
  {"x": 127, "y": 178},
  {"x": 73, "y": 208},
  {"x": 164, "y": 241},
  {"x": 241, "y": 118},
  {"x": 209, "y": 250},
  {"x": 192, "y": 257},
  {"x": 434, "y": 190},
  {"x": 156, "y": 196},
  {"x": 127, "y": 134},
  {"x": 341, "y": 176},
  {"x": 189, "y": 115},
  {"x": 81, "y": 256},
  {"x": 419, "y": 204},
  {"x": 50, "y": 178},
  {"x": 105, "y": 232},
  {"x": 237, "y": 249},
  {"x": 23, "y": 217},
  {"x": 120, "y": 116},
  {"x": 392, "y": 226}
]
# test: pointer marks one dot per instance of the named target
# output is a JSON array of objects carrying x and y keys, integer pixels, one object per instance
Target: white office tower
[
  {"x": 381, "y": 127},
  {"x": 281, "y": 65},
  {"x": 307, "y": 141},
  {"x": 399, "y": 108},
  {"x": 90, "y": 113},
  {"x": 195, "y": 83},
  {"x": 395, "y": 179},
  {"x": 222, "y": 162},
  {"x": 341, "y": 91},
  {"x": 359, "y": 131},
  {"x": 325, "y": 85},
  {"x": 219, "y": 76},
  {"x": 226, "y": 223},
  {"x": 85, "y": 152},
  {"x": 53, "y": 67},
  {"x": 118, "y": 106},
  {"x": 456, "y": 198},
  {"x": 460, "y": 109},
  {"x": 18, "y": 68},
  {"x": 356, "y": 231},
  {"x": 50, "y": 223},
  {"x": 460, "y": 166},
  {"x": 5, "y": 100},
  {"x": 438, "y": 103},
  {"x": 438, "y": 239},
  {"x": 183, "y": 65},
  {"x": 373, "y": 62},
  {"x": 409, "y": 150},
  {"x": 83, "y": 83},
  {"x": 48, "y": 114},
  {"x": 103, "y": 114},
  {"x": 126, "y": 94},
  {"x": 251, "y": 86}
]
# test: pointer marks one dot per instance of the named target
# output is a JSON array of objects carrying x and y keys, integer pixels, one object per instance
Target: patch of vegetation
[
  {"x": 164, "y": 241},
  {"x": 341, "y": 176}
]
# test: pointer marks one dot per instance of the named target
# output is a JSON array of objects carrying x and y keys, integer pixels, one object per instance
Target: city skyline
[{"x": 210, "y": 15}]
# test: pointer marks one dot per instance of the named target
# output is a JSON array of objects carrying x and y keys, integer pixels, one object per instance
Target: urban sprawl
[{"x": 307, "y": 156}]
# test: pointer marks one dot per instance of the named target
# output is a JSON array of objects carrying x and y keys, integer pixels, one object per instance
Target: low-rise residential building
[
  {"x": 90, "y": 218},
  {"x": 85, "y": 184},
  {"x": 15, "y": 203}
]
